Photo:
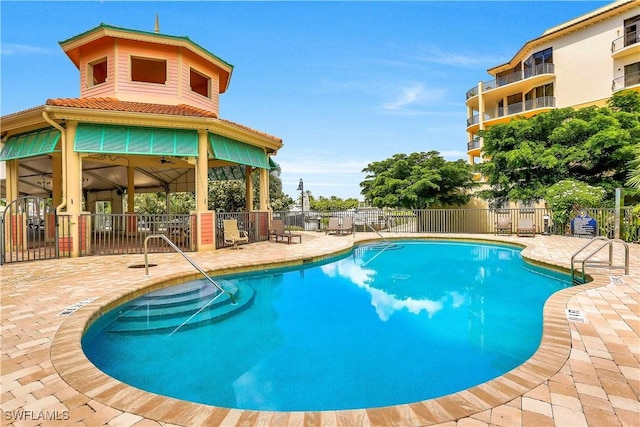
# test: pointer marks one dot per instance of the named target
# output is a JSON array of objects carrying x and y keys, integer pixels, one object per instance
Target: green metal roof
[
  {"x": 148, "y": 33},
  {"x": 97, "y": 138},
  {"x": 227, "y": 173},
  {"x": 238, "y": 152},
  {"x": 32, "y": 144}
]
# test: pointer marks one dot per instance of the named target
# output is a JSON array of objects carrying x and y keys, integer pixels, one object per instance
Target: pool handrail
[
  {"x": 387, "y": 243},
  {"x": 607, "y": 242},
  {"x": 196, "y": 266}
]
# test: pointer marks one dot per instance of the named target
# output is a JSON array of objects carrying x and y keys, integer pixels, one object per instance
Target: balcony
[
  {"x": 473, "y": 145},
  {"x": 625, "y": 45},
  {"x": 527, "y": 108},
  {"x": 516, "y": 76},
  {"x": 626, "y": 81}
]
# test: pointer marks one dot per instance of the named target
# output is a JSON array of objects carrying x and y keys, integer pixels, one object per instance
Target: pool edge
[{"x": 554, "y": 350}]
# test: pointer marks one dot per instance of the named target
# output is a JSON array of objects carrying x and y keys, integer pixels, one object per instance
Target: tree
[
  {"x": 230, "y": 195},
  {"x": 634, "y": 172},
  {"x": 278, "y": 199},
  {"x": 417, "y": 181},
  {"x": 332, "y": 203},
  {"x": 566, "y": 197},
  {"x": 592, "y": 145},
  {"x": 625, "y": 100}
]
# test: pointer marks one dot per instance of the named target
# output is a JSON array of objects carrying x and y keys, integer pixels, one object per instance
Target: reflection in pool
[{"x": 372, "y": 328}]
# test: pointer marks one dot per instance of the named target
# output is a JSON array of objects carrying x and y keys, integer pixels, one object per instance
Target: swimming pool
[{"x": 371, "y": 328}]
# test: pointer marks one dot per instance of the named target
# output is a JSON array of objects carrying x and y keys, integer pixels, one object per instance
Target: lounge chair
[
  {"x": 279, "y": 234},
  {"x": 526, "y": 227},
  {"x": 503, "y": 225},
  {"x": 233, "y": 236},
  {"x": 347, "y": 225},
  {"x": 333, "y": 226}
]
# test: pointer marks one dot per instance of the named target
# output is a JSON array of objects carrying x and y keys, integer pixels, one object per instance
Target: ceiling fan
[{"x": 164, "y": 161}]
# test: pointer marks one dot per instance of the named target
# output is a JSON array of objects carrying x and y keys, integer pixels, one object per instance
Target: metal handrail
[
  {"x": 196, "y": 266},
  {"x": 388, "y": 244},
  {"x": 607, "y": 242}
]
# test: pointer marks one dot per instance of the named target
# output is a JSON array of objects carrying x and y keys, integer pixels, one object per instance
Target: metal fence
[
  {"x": 256, "y": 224},
  {"x": 28, "y": 234},
  {"x": 474, "y": 221},
  {"x": 110, "y": 234},
  {"x": 30, "y": 229}
]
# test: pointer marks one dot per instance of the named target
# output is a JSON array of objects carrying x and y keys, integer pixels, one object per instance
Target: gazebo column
[
  {"x": 132, "y": 218},
  {"x": 12, "y": 167},
  {"x": 56, "y": 198},
  {"x": 264, "y": 190},
  {"x": 203, "y": 221},
  {"x": 74, "y": 233},
  {"x": 248, "y": 184}
]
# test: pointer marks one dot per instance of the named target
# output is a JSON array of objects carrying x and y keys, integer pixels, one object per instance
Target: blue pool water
[{"x": 417, "y": 321}]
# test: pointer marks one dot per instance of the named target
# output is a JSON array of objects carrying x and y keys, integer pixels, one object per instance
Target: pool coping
[{"x": 74, "y": 368}]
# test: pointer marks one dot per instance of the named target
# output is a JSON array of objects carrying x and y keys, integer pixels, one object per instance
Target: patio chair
[
  {"x": 279, "y": 234},
  {"x": 333, "y": 226},
  {"x": 233, "y": 236},
  {"x": 526, "y": 227},
  {"x": 347, "y": 225},
  {"x": 503, "y": 225}
]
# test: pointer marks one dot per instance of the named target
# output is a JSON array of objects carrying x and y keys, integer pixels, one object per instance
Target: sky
[{"x": 343, "y": 83}]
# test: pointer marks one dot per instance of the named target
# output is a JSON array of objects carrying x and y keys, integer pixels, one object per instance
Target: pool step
[{"x": 169, "y": 308}]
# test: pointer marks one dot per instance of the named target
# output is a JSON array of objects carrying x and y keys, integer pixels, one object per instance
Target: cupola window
[
  {"x": 97, "y": 72},
  {"x": 200, "y": 83},
  {"x": 148, "y": 70}
]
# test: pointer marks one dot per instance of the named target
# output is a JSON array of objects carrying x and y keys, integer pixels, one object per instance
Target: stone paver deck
[{"x": 584, "y": 373}]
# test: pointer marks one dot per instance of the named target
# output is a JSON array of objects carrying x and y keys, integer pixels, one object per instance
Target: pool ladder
[
  {"x": 196, "y": 266},
  {"x": 605, "y": 242}
]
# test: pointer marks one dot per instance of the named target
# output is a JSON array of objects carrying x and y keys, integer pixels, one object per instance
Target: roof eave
[{"x": 569, "y": 26}]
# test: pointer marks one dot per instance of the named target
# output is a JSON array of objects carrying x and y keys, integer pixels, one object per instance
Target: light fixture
[
  {"x": 45, "y": 183},
  {"x": 301, "y": 189}
]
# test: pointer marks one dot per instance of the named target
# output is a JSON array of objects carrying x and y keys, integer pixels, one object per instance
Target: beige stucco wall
[{"x": 584, "y": 66}]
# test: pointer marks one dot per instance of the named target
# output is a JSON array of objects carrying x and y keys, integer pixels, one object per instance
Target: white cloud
[
  {"x": 414, "y": 94},
  {"x": 435, "y": 55},
  {"x": 22, "y": 49}
]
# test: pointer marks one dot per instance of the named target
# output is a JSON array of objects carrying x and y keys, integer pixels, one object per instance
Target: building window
[
  {"x": 200, "y": 83},
  {"x": 632, "y": 30},
  {"x": 514, "y": 104},
  {"x": 539, "y": 97},
  {"x": 148, "y": 70},
  {"x": 632, "y": 74},
  {"x": 537, "y": 63},
  {"x": 97, "y": 72}
]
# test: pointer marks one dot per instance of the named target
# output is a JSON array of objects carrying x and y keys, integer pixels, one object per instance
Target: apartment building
[{"x": 576, "y": 64}]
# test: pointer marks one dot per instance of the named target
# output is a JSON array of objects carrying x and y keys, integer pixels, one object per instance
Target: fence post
[{"x": 617, "y": 212}]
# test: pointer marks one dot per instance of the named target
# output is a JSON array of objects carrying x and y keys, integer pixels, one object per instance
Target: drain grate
[
  {"x": 575, "y": 316},
  {"x": 70, "y": 310},
  {"x": 141, "y": 265}
]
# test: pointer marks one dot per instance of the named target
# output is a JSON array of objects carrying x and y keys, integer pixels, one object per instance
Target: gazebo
[{"x": 146, "y": 120}]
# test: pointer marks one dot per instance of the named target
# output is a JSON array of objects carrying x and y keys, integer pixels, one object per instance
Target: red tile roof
[
  {"x": 113, "y": 104},
  {"x": 252, "y": 130}
]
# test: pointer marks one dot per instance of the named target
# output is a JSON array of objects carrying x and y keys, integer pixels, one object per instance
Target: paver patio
[{"x": 585, "y": 373}]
